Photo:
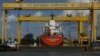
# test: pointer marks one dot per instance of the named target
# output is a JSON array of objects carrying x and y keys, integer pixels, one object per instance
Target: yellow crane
[{"x": 50, "y": 6}]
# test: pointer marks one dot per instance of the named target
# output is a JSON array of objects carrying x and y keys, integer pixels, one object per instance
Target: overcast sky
[{"x": 36, "y": 27}]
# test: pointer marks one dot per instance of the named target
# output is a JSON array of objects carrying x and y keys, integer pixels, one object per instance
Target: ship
[{"x": 52, "y": 34}]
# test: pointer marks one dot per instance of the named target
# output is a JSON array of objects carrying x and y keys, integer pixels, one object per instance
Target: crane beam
[
  {"x": 51, "y": 6},
  {"x": 57, "y": 18}
]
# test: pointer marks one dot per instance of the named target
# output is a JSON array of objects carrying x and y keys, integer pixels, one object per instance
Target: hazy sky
[{"x": 36, "y": 27}]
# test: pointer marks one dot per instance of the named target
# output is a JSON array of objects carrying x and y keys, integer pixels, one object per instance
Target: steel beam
[
  {"x": 57, "y": 18},
  {"x": 19, "y": 35},
  {"x": 4, "y": 26},
  {"x": 80, "y": 29},
  {"x": 94, "y": 25},
  {"x": 49, "y": 6}
]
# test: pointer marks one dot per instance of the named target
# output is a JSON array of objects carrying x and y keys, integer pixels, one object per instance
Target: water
[{"x": 51, "y": 52}]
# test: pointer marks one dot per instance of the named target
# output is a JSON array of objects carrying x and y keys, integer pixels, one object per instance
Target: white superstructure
[{"x": 53, "y": 27}]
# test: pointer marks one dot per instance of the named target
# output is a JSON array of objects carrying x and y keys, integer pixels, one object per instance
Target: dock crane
[{"x": 50, "y": 6}]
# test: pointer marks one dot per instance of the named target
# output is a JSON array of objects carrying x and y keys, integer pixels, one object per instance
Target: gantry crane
[{"x": 19, "y": 5}]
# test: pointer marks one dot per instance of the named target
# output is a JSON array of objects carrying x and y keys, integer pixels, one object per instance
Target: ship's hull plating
[{"x": 52, "y": 40}]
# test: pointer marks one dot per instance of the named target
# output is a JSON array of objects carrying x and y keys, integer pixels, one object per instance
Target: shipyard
[{"x": 51, "y": 28}]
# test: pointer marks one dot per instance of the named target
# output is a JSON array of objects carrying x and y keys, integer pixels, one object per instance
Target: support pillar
[
  {"x": 94, "y": 25},
  {"x": 80, "y": 29},
  {"x": 4, "y": 26},
  {"x": 19, "y": 35}
]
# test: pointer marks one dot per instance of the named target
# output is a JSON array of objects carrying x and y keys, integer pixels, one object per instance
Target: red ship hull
[{"x": 52, "y": 40}]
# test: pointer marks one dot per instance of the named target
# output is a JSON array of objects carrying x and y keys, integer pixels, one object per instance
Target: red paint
[{"x": 52, "y": 40}]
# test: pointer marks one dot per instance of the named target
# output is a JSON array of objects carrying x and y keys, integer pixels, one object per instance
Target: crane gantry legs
[{"x": 4, "y": 26}]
